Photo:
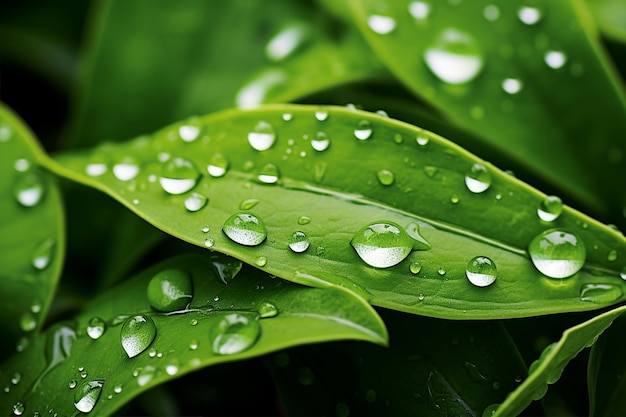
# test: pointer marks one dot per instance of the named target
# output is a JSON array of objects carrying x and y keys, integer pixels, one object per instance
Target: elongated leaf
[
  {"x": 120, "y": 345},
  {"x": 331, "y": 195},
  {"x": 32, "y": 241},
  {"x": 610, "y": 16},
  {"x": 553, "y": 77},
  {"x": 548, "y": 368}
]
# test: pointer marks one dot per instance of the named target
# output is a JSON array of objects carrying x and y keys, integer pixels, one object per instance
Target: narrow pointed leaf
[
  {"x": 195, "y": 189},
  {"x": 120, "y": 346}
]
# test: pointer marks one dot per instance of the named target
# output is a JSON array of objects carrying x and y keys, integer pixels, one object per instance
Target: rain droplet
[
  {"x": 550, "y": 208},
  {"x": 96, "y": 327},
  {"x": 170, "y": 290},
  {"x": 218, "y": 165},
  {"x": 16, "y": 378},
  {"x": 381, "y": 24},
  {"x": 555, "y": 59},
  {"x": 87, "y": 395},
  {"x": 529, "y": 15},
  {"x": 441, "y": 271},
  {"x": 481, "y": 271},
  {"x": 196, "y": 202},
  {"x": 21, "y": 165},
  {"x": 126, "y": 169},
  {"x": 234, "y": 333},
  {"x": 30, "y": 190},
  {"x": 267, "y": 310},
  {"x": 600, "y": 293},
  {"x": 421, "y": 140},
  {"x": 419, "y": 10},
  {"x": 72, "y": 384},
  {"x": 28, "y": 322},
  {"x": 512, "y": 85},
  {"x": 419, "y": 243},
  {"x": 227, "y": 269},
  {"x": 321, "y": 142},
  {"x": 454, "y": 199},
  {"x": 263, "y": 136},
  {"x": 299, "y": 242},
  {"x": 43, "y": 255},
  {"x": 245, "y": 229},
  {"x": 260, "y": 261},
  {"x": 385, "y": 177},
  {"x": 188, "y": 133},
  {"x": 209, "y": 243},
  {"x": 455, "y": 58},
  {"x": 321, "y": 116},
  {"x": 269, "y": 174},
  {"x": 363, "y": 130},
  {"x": 98, "y": 165},
  {"x": 557, "y": 254},
  {"x": 397, "y": 138},
  {"x": 478, "y": 178},
  {"x": 178, "y": 175},
  {"x": 415, "y": 268},
  {"x": 248, "y": 204},
  {"x": 623, "y": 273},
  {"x": 612, "y": 256},
  {"x": 137, "y": 334},
  {"x": 490, "y": 410},
  {"x": 430, "y": 171},
  {"x": 302, "y": 220},
  {"x": 491, "y": 13},
  {"x": 5, "y": 133},
  {"x": 382, "y": 245},
  {"x": 117, "y": 389},
  {"x": 18, "y": 409},
  {"x": 287, "y": 117}
]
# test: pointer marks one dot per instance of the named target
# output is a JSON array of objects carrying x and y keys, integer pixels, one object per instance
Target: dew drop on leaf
[
  {"x": 302, "y": 220},
  {"x": 490, "y": 410},
  {"x": 86, "y": 395},
  {"x": 209, "y": 243},
  {"x": 18, "y": 409},
  {"x": 144, "y": 375},
  {"x": 529, "y": 15},
  {"x": 600, "y": 293},
  {"x": 419, "y": 10},
  {"x": 218, "y": 165},
  {"x": 441, "y": 271},
  {"x": 299, "y": 242},
  {"x": 612, "y": 256},
  {"x": 419, "y": 243},
  {"x": 96, "y": 327},
  {"x": 481, "y": 271},
  {"x": 557, "y": 254},
  {"x": 30, "y": 190},
  {"x": 126, "y": 169},
  {"x": 188, "y": 133},
  {"x": 178, "y": 175},
  {"x": 320, "y": 142},
  {"x": 512, "y": 85},
  {"x": 285, "y": 42},
  {"x": 72, "y": 384},
  {"x": 21, "y": 165},
  {"x": 381, "y": 24},
  {"x": 287, "y": 117},
  {"x": 98, "y": 165},
  {"x": 170, "y": 290},
  {"x": 137, "y": 334},
  {"x": 421, "y": 140},
  {"x": 42, "y": 257},
  {"x": 196, "y": 202},
  {"x": 478, "y": 178},
  {"x": 555, "y": 59},
  {"x": 260, "y": 261},
  {"x": 415, "y": 268},
  {"x": 491, "y": 12},
  {"x": 321, "y": 116},
  {"x": 550, "y": 208},
  {"x": 267, "y": 310},
  {"x": 363, "y": 130},
  {"x": 245, "y": 229},
  {"x": 269, "y": 174},
  {"x": 234, "y": 333},
  {"x": 385, "y": 177},
  {"x": 28, "y": 322},
  {"x": 382, "y": 245},
  {"x": 262, "y": 137},
  {"x": 455, "y": 57}
]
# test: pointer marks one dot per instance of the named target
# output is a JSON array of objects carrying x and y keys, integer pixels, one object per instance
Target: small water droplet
[
  {"x": 144, "y": 375},
  {"x": 234, "y": 333},
  {"x": 206, "y": 229},
  {"x": 382, "y": 245},
  {"x": 612, "y": 256},
  {"x": 194, "y": 322},
  {"x": 171, "y": 369},
  {"x": 342, "y": 410},
  {"x": 600, "y": 293},
  {"x": 415, "y": 268},
  {"x": 557, "y": 254},
  {"x": 421, "y": 140},
  {"x": 30, "y": 190},
  {"x": 550, "y": 208},
  {"x": 490, "y": 410},
  {"x": 137, "y": 334},
  {"x": 302, "y": 220},
  {"x": 385, "y": 177},
  {"x": 299, "y": 242},
  {"x": 363, "y": 130},
  {"x": 193, "y": 345},
  {"x": 555, "y": 59},
  {"x": 86, "y": 395},
  {"x": 382, "y": 113},
  {"x": 170, "y": 290},
  {"x": 419, "y": 10},
  {"x": 397, "y": 138},
  {"x": 262, "y": 137},
  {"x": 269, "y": 174},
  {"x": 267, "y": 310},
  {"x": 321, "y": 116},
  {"x": 455, "y": 58},
  {"x": 16, "y": 378},
  {"x": 478, "y": 178},
  {"x": 321, "y": 142},
  {"x": 5, "y": 133},
  {"x": 21, "y": 165},
  {"x": 72, "y": 384},
  {"x": 441, "y": 271},
  {"x": 126, "y": 169},
  {"x": 481, "y": 271},
  {"x": 43, "y": 255},
  {"x": 260, "y": 261},
  {"x": 196, "y": 202},
  {"x": 97, "y": 166},
  {"x": 529, "y": 15},
  {"x": 18, "y": 409},
  {"x": 188, "y": 133},
  {"x": 209, "y": 242},
  {"x": 28, "y": 322},
  {"x": 512, "y": 85},
  {"x": 430, "y": 171},
  {"x": 381, "y": 24},
  {"x": 218, "y": 165},
  {"x": 178, "y": 175},
  {"x": 245, "y": 229},
  {"x": 117, "y": 389},
  {"x": 96, "y": 327},
  {"x": 491, "y": 12},
  {"x": 454, "y": 199}
]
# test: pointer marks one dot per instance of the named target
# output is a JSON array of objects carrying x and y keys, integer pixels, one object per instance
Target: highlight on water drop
[
  {"x": 481, "y": 271},
  {"x": 383, "y": 244}
]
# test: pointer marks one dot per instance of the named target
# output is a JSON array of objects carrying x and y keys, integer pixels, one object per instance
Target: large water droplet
[
  {"x": 245, "y": 229},
  {"x": 96, "y": 327},
  {"x": 218, "y": 165},
  {"x": 512, "y": 85},
  {"x": 137, "y": 334},
  {"x": 178, "y": 175},
  {"x": 302, "y": 220},
  {"x": 234, "y": 333},
  {"x": 481, "y": 271},
  {"x": 557, "y": 254},
  {"x": 269, "y": 174},
  {"x": 363, "y": 130},
  {"x": 170, "y": 290},
  {"x": 600, "y": 293},
  {"x": 30, "y": 190},
  {"x": 382, "y": 245},
  {"x": 126, "y": 169},
  {"x": 455, "y": 58},
  {"x": 419, "y": 10},
  {"x": 43, "y": 255},
  {"x": 196, "y": 202},
  {"x": 550, "y": 208},
  {"x": 262, "y": 137},
  {"x": 299, "y": 242},
  {"x": 86, "y": 395},
  {"x": 320, "y": 142},
  {"x": 529, "y": 15},
  {"x": 555, "y": 59},
  {"x": 188, "y": 133},
  {"x": 478, "y": 178},
  {"x": 385, "y": 177},
  {"x": 248, "y": 204},
  {"x": 267, "y": 310},
  {"x": 381, "y": 24}
]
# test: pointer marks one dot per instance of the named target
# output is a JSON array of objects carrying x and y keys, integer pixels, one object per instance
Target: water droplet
[
  {"x": 188, "y": 133},
  {"x": 441, "y": 271},
  {"x": 478, "y": 178},
  {"x": 269, "y": 174},
  {"x": 481, "y": 271},
  {"x": 261, "y": 261},
  {"x": 144, "y": 375},
  {"x": 30, "y": 190},
  {"x": 454, "y": 199},
  {"x": 381, "y": 24},
  {"x": 170, "y": 290},
  {"x": 299, "y": 242},
  {"x": 178, "y": 175},
  {"x": 97, "y": 166},
  {"x": 245, "y": 229},
  {"x": 16, "y": 378},
  {"x": 550, "y": 208},
  {"x": 43, "y": 255},
  {"x": 209, "y": 242},
  {"x": 415, "y": 268},
  {"x": 5, "y": 133},
  {"x": 126, "y": 169},
  {"x": 267, "y": 310},
  {"x": 321, "y": 142},
  {"x": 171, "y": 369},
  {"x": 304, "y": 220},
  {"x": 117, "y": 389},
  {"x": 321, "y": 116},
  {"x": 28, "y": 322},
  {"x": 557, "y": 254},
  {"x": 18, "y": 409},
  {"x": 474, "y": 373},
  {"x": 490, "y": 410},
  {"x": 555, "y": 59},
  {"x": 137, "y": 334},
  {"x": 491, "y": 13},
  {"x": 529, "y": 15},
  {"x": 218, "y": 165},
  {"x": 96, "y": 327},
  {"x": 397, "y": 138},
  {"x": 263, "y": 136},
  {"x": 196, "y": 202},
  {"x": 193, "y": 345},
  {"x": 382, "y": 113},
  {"x": 87, "y": 394},
  {"x": 72, "y": 384},
  {"x": 512, "y": 85},
  {"x": 285, "y": 42},
  {"x": 385, "y": 177},
  {"x": 419, "y": 243},
  {"x": 21, "y": 165},
  {"x": 363, "y": 130},
  {"x": 600, "y": 293},
  {"x": 430, "y": 171},
  {"x": 421, "y": 140},
  {"x": 206, "y": 229},
  {"x": 234, "y": 333},
  {"x": 455, "y": 58},
  {"x": 419, "y": 10},
  {"x": 382, "y": 245},
  {"x": 612, "y": 256}
]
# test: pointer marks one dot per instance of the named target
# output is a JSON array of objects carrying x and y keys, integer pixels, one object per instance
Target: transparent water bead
[
  {"x": 299, "y": 242},
  {"x": 529, "y": 15},
  {"x": 421, "y": 140},
  {"x": 481, "y": 271},
  {"x": 320, "y": 142},
  {"x": 419, "y": 242},
  {"x": 196, "y": 202},
  {"x": 218, "y": 165},
  {"x": 363, "y": 130},
  {"x": 550, "y": 208},
  {"x": 267, "y": 310},
  {"x": 285, "y": 42},
  {"x": 269, "y": 174},
  {"x": 126, "y": 169},
  {"x": 262, "y": 137},
  {"x": 170, "y": 290},
  {"x": 234, "y": 333},
  {"x": 86, "y": 395},
  {"x": 178, "y": 175},
  {"x": 415, "y": 268},
  {"x": 420, "y": 10},
  {"x": 248, "y": 204},
  {"x": 557, "y": 254},
  {"x": 321, "y": 116},
  {"x": 96, "y": 328},
  {"x": 382, "y": 245},
  {"x": 188, "y": 133},
  {"x": 42, "y": 257},
  {"x": 245, "y": 229},
  {"x": 455, "y": 58},
  {"x": 18, "y": 409},
  {"x": 137, "y": 334},
  {"x": 600, "y": 293},
  {"x": 381, "y": 24},
  {"x": 385, "y": 177},
  {"x": 555, "y": 59},
  {"x": 491, "y": 12},
  {"x": 30, "y": 190},
  {"x": 478, "y": 178},
  {"x": 98, "y": 165},
  {"x": 21, "y": 165},
  {"x": 512, "y": 85}
]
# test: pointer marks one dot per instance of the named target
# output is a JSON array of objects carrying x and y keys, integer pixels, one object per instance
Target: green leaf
[
  {"x": 32, "y": 242},
  {"x": 556, "y": 78},
  {"x": 119, "y": 347},
  {"x": 610, "y": 16},
  {"x": 548, "y": 368},
  {"x": 333, "y": 194}
]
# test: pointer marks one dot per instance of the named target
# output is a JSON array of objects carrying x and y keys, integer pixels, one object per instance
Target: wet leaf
[{"x": 84, "y": 364}]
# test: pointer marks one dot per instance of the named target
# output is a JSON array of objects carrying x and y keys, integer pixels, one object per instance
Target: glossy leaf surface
[
  {"x": 32, "y": 241},
  {"x": 316, "y": 176},
  {"x": 88, "y": 358}
]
